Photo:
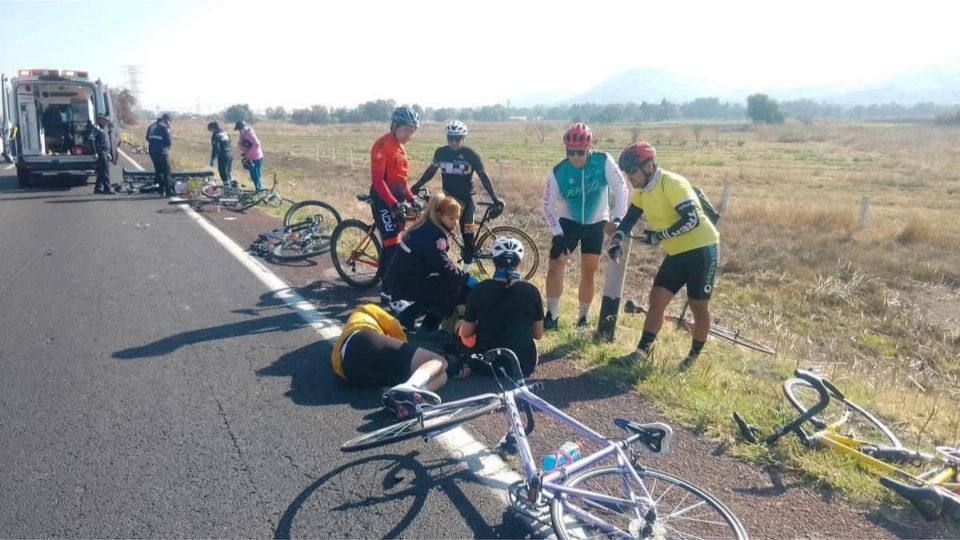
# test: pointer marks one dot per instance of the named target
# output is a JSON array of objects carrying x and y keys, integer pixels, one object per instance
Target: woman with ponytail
[{"x": 505, "y": 311}]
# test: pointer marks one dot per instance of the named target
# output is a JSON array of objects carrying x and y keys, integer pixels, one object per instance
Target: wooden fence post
[
  {"x": 864, "y": 210},
  {"x": 725, "y": 197}
]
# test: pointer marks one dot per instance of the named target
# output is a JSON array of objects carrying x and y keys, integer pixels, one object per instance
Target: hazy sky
[{"x": 274, "y": 52}]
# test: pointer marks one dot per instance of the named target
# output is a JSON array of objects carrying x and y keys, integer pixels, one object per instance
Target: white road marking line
[{"x": 483, "y": 462}]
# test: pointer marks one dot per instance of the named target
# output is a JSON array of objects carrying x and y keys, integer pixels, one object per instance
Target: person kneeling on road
[
  {"x": 504, "y": 311},
  {"x": 372, "y": 351},
  {"x": 680, "y": 226},
  {"x": 422, "y": 271}
]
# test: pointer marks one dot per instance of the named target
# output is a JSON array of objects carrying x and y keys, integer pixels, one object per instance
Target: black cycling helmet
[
  {"x": 165, "y": 117},
  {"x": 405, "y": 116},
  {"x": 239, "y": 125}
]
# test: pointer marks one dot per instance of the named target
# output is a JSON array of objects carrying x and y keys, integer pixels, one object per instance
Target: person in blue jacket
[{"x": 423, "y": 273}]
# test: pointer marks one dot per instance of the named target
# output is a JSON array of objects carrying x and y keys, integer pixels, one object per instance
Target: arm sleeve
[
  {"x": 427, "y": 175},
  {"x": 536, "y": 301},
  {"x": 549, "y": 201},
  {"x": 378, "y": 175},
  {"x": 477, "y": 163},
  {"x": 688, "y": 221},
  {"x": 630, "y": 219},
  {"x": 618, "y": 187}
]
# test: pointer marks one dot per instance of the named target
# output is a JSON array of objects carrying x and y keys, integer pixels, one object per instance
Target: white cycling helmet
[
  {"x": 456, "y": 128},
  {"x": 507, "y": 252},
  {"x": 397, "y": 306}
]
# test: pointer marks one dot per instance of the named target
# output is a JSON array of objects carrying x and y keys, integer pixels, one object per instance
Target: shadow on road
[{"x": 372, "y": 490}]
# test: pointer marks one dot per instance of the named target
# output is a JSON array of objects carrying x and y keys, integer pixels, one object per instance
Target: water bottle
[{"x": 567, "y": 454}]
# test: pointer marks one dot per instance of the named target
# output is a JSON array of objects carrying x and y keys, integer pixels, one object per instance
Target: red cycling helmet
[
  {"x": 634, "y": 156},
  {"x": 578, "y": 136}
]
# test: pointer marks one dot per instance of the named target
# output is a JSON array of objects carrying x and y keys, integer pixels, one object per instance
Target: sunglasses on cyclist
[
  {"x": 571, "y": 153},
  {"x": 455, "y": 139}
]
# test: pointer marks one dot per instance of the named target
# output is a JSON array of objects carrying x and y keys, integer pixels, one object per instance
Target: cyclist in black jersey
[{"x": 456, "y": 164}]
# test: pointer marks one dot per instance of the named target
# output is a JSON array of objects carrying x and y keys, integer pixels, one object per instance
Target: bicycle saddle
[
  {"x": 363, "y": 197},
  {"x": 656, "y": 437}
]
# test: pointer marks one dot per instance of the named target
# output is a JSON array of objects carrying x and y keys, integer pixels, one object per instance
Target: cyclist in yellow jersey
[
  {"x": 372, "y": 351},
  {"x": 679, "y": 225}
]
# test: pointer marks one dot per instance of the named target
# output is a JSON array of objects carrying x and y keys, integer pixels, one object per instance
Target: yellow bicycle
[{"x": 844, "y": 427}]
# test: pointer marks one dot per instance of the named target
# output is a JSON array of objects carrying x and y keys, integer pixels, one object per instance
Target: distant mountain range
[{"x": 936, "y": 85}]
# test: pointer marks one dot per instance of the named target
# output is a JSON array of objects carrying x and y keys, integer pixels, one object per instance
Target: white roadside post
[
  {"x": 864, "y": 210},
  {"x": 613, "y": 293}
]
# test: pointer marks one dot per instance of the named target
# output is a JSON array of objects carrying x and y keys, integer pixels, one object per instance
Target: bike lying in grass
[
  {"x": 842, "y": 426},
  {"x": 682, "y": 321},
  {"x": 621, "y": 499}
]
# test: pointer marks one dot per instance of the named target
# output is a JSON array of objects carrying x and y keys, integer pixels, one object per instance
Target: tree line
[{"x": 759, "y": 108}]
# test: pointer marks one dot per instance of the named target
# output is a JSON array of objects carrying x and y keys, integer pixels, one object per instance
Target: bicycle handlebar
[
  {"x": 492, "y": 355},
  {"x": 818, "y": 381}
]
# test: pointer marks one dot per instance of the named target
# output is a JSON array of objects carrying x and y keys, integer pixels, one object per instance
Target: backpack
[{"x": 708, "y": 209}]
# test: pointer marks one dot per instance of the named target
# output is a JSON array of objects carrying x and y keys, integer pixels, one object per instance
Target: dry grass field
[{"x": 876, "y": 309}]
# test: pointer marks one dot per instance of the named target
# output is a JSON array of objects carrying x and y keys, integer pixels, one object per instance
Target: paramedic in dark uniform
[
  {"x": 99, "y": 140},
  {"x": 159, "y": 143}
]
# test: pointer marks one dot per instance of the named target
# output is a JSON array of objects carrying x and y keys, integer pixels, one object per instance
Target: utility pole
[{"x": 133, "y": 80}]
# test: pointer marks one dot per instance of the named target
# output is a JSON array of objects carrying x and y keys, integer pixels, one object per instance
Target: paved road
[{"x": 145, "y": 390}]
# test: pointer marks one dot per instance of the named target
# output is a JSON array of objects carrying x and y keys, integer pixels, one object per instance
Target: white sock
[
  {"x": 584, "y": 310},
  {"x": 419, "y": 378},
  {"x": 553, "y": 306}
]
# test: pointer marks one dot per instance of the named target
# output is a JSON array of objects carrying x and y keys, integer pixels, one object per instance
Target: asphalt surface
[{"x": 145, "y": 390}]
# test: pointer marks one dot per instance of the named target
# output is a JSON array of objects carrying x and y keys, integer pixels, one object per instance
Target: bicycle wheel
[
  {"x": 531, "y": 256},
  {"x": 432, "y": 420},
  {"x": 299, "y": 248},
  {"x": 214, "y": 191},
  {"x": 674, "y": 509},
  {"x": 860, "y": 424},
  {"x": 356, "y": 253},
  {"x": 303, "y": 212},
  {"x": 736, "y": 338}
]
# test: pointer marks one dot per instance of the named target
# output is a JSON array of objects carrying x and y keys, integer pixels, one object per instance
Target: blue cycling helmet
[{"x": 405, "y": 116}]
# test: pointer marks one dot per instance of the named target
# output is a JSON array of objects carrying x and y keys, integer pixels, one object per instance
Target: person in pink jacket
[{"x": 250, "y": 146}]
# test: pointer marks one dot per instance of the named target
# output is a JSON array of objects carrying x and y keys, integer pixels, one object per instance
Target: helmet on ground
[
  {"x": 239, "y": 125},
  {"x": 578, "y": 136},
  {"x": 405, "y": 116},
  {"x": 507, "y": 252},
  {"x": 634, "y": 156},
  {"x": 456, "y": 128},
  {"x": 397, "y": 306}
]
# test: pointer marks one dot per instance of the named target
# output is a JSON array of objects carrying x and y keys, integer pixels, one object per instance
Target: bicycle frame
[{"x": 551, "y": 482}]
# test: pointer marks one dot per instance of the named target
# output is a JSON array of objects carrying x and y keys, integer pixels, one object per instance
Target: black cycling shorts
[
  {"x": 373, "y": 360},
  {"x": 696, "y": 269},
  {"x": 574, "y": 233}
]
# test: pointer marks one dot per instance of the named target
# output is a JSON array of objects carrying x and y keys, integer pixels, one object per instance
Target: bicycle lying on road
[
  {"x": 306, "y": 231},
  {"x": 624, "y": 499},
  {"x": 357, "y": 249},
  {"x": 848, "y": 429},
  {"x": 724, "y": 333}
]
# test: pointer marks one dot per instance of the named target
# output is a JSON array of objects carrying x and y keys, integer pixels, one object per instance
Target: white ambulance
[{"x": 46, "y": 116}]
